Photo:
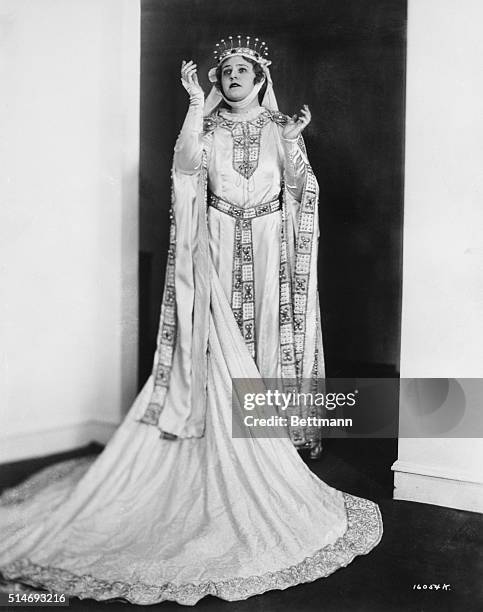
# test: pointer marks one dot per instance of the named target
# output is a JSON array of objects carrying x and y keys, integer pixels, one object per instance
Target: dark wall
[{"x": 346, "y": 60}]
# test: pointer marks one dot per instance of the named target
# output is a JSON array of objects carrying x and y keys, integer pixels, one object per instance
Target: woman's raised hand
[
  {"x": 296, "y": 124},
  {"x": 189, "y": 79}
]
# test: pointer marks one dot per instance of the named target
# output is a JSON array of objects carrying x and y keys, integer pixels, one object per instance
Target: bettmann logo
[{"x": 294, "y": 421}]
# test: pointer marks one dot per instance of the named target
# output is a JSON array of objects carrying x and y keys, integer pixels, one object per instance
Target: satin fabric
[
  {"x": 152, "y": 519},
  {"x": 263, "y": 186}
]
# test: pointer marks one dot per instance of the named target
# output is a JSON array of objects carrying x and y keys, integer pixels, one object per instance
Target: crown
[{"x": 241, "y": 45}]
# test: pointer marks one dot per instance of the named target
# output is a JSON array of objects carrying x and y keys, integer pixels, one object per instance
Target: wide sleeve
[
  {"x": 188, "y": 147},
  {"x": 296, "y": 163}
]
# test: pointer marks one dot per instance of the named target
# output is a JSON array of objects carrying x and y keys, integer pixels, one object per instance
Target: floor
[{"x": 422, "y": 544}]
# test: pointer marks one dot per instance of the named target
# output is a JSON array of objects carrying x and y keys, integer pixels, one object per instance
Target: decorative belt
[
  {"x": 243, "y": 270},
  {"x": 259, "y": 210}
]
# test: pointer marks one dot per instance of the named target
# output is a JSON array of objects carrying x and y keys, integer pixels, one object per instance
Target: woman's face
[{"x": 237, "y": 78}]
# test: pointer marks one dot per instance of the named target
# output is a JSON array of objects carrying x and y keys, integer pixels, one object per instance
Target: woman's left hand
[{"x": 295, "y": 124}]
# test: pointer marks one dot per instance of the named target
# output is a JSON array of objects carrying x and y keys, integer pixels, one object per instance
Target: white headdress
[{"x": 256, "y": 51}]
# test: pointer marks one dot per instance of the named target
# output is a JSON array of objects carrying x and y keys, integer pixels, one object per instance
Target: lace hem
[
  {"x": 44, "y": 477},
  {"x": 364, "y": 531}
]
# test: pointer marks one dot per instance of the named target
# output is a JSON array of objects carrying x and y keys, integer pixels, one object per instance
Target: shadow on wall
[{"x": 347, "y": 61}]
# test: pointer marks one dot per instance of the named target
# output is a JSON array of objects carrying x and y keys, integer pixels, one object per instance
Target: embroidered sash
[
  {"x": 243, "y": 272},
  {"x": 300, "y": 334}
]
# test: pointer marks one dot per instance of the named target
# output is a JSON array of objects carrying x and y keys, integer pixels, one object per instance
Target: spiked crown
[{"x": 242, "y": 45}]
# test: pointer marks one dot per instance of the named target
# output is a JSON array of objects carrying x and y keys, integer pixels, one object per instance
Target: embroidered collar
[{"x": 257, "y": 117}]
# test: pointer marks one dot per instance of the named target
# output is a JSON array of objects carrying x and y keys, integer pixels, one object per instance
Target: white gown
[
  {"x": 153, "y": 519},
  {"x": 263, "y": 186}
]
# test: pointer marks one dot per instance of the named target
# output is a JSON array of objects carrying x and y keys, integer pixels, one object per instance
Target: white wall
[
  {"x": 442, "y": 318},
  {"x": 69, "y": 79}
]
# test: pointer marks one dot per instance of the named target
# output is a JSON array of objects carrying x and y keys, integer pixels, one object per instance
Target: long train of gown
[{"x": 152, "y": 519}]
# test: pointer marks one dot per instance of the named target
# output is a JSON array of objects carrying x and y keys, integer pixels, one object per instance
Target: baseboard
[
  {"x": 49, "y": 442},
  {"x": 431, "y": 485}
]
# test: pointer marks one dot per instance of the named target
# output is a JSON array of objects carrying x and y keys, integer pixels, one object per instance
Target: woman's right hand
[{"x": 189, "y": 80}]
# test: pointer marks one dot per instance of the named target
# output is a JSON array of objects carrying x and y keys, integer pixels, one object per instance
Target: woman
[
  {"x": 262, "y": 214},
  {"x": 175, "y": 508}
]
